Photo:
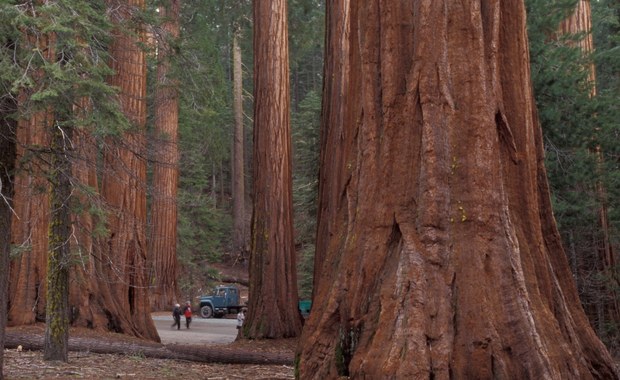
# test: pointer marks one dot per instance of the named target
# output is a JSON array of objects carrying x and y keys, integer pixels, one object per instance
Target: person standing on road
[
  {"x": 187, "y": 311},
  {"x": 240, "y": 318},
  {"x": 176, "y": 315}
]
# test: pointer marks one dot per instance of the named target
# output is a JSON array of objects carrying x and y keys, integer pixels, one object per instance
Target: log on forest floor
[{"x": 203, "y": 354}]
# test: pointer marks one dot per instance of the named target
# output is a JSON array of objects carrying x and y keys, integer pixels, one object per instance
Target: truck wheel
[{"x": 206, "y": 311}]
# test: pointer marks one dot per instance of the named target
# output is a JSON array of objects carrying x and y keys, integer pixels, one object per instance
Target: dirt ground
[
  {"x": 26, "y": 364},
  {"x": 87, "y": 365}
]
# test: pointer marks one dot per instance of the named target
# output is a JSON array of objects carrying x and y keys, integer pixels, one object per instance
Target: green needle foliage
[
  {"x": 581, "y": 141},
  {"x": 78, "y": 33},
  {"x": 205, "y": 134},
  {"x": 306, "y": 124}
]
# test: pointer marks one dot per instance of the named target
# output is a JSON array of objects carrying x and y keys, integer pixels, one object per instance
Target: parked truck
[{"x": 223, "y": 300}]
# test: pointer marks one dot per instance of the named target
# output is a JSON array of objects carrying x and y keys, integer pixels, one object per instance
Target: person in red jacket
[{"x": 187, "y": 312}]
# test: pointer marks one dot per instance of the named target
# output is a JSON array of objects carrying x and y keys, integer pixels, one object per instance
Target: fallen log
[{"x": 30, "y": 341}]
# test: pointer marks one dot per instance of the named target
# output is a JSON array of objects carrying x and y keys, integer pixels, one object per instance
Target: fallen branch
[{"x": 193, "y": 353}]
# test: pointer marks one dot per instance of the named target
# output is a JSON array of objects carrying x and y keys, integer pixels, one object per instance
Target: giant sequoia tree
[
  {"x": 273, "y": 282},
  {"x": 122, "y": 259},
  {"x": 437, "y": 248},
  {"x": 163, "y": 239}
]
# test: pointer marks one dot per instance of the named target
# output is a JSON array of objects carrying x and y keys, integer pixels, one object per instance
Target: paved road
[{"x": 201, "y": 331}]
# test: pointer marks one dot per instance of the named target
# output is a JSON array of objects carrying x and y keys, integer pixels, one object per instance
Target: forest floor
[
  {"x": 84, "y": 364},
  {"x": 27, "y": 364}
]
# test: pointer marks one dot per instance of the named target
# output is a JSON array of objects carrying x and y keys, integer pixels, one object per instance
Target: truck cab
[{"x": 222, "y": 300}]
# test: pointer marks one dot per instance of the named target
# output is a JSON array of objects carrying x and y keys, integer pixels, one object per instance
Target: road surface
[{"x": 201, "y": 331}]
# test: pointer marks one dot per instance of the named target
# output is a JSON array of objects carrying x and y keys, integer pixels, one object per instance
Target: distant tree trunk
[
  {"x": 122, "y": 257},
  {"x": 608, "y": 293},
  {"x": 238, "y": 177},
  {"x": 334, "y": 97},
  {"x": 56, "y": 345},
  {"x": 7, "y": 165},
  {"x": 580, "y": 21},
  {"x": 273, "y": 311},
  {"x": 213, "y": 185},
  {"x": 441, "y": 255},
  {"x": 163, "y": 242}
]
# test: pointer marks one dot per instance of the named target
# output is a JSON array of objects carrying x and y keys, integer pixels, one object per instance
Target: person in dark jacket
[{"x": 176, "y": 314}]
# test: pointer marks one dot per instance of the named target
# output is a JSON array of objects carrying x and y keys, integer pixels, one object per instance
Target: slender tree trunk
[
  {"x": 213, "y": 185},
  {"x": 163, "y": 242},
  {"x": 440, "y": 254},
  {"x": 123, "y": 255},
  {"x": 56, "y": 345},
  {"x": 238, "y": 177},
  {"x": 273, "y": 298},
  {"x": 7, "y": 166}
]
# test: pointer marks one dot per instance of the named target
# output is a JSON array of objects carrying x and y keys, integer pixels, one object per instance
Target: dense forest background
[{"x": 580, "y": 131}]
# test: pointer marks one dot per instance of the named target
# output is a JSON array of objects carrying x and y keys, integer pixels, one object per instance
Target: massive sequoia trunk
[
  {"x": 273, "y": 296},
  {"x": 163, "y": 241},
  {"x": 122, "y": 257},
  {"x": 439, "y": 255},
  {"x": 29, "y": 229}
]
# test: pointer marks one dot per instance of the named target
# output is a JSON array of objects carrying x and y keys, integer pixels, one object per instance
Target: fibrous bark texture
[
  {"x": 29, "y": 227},
  {"x": 273, "y": 296},
  {"x": 438, "y": 255},
  {"x": 163, "y": 238},
  {"x": 56, "y": 345},
  {"x": 122, "y": 257},
  {"x": 85, "y": 308}
]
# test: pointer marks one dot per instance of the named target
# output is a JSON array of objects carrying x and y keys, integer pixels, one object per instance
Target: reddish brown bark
[
  {"x": 440, "y": 255},
  {"x": 29, "y": 229},
  {"x": 83, "y": 284},
  {"x": 163, "y": 241},
  {"x": 122, "y": 258},
  {"x": 272, "y": 311}
]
